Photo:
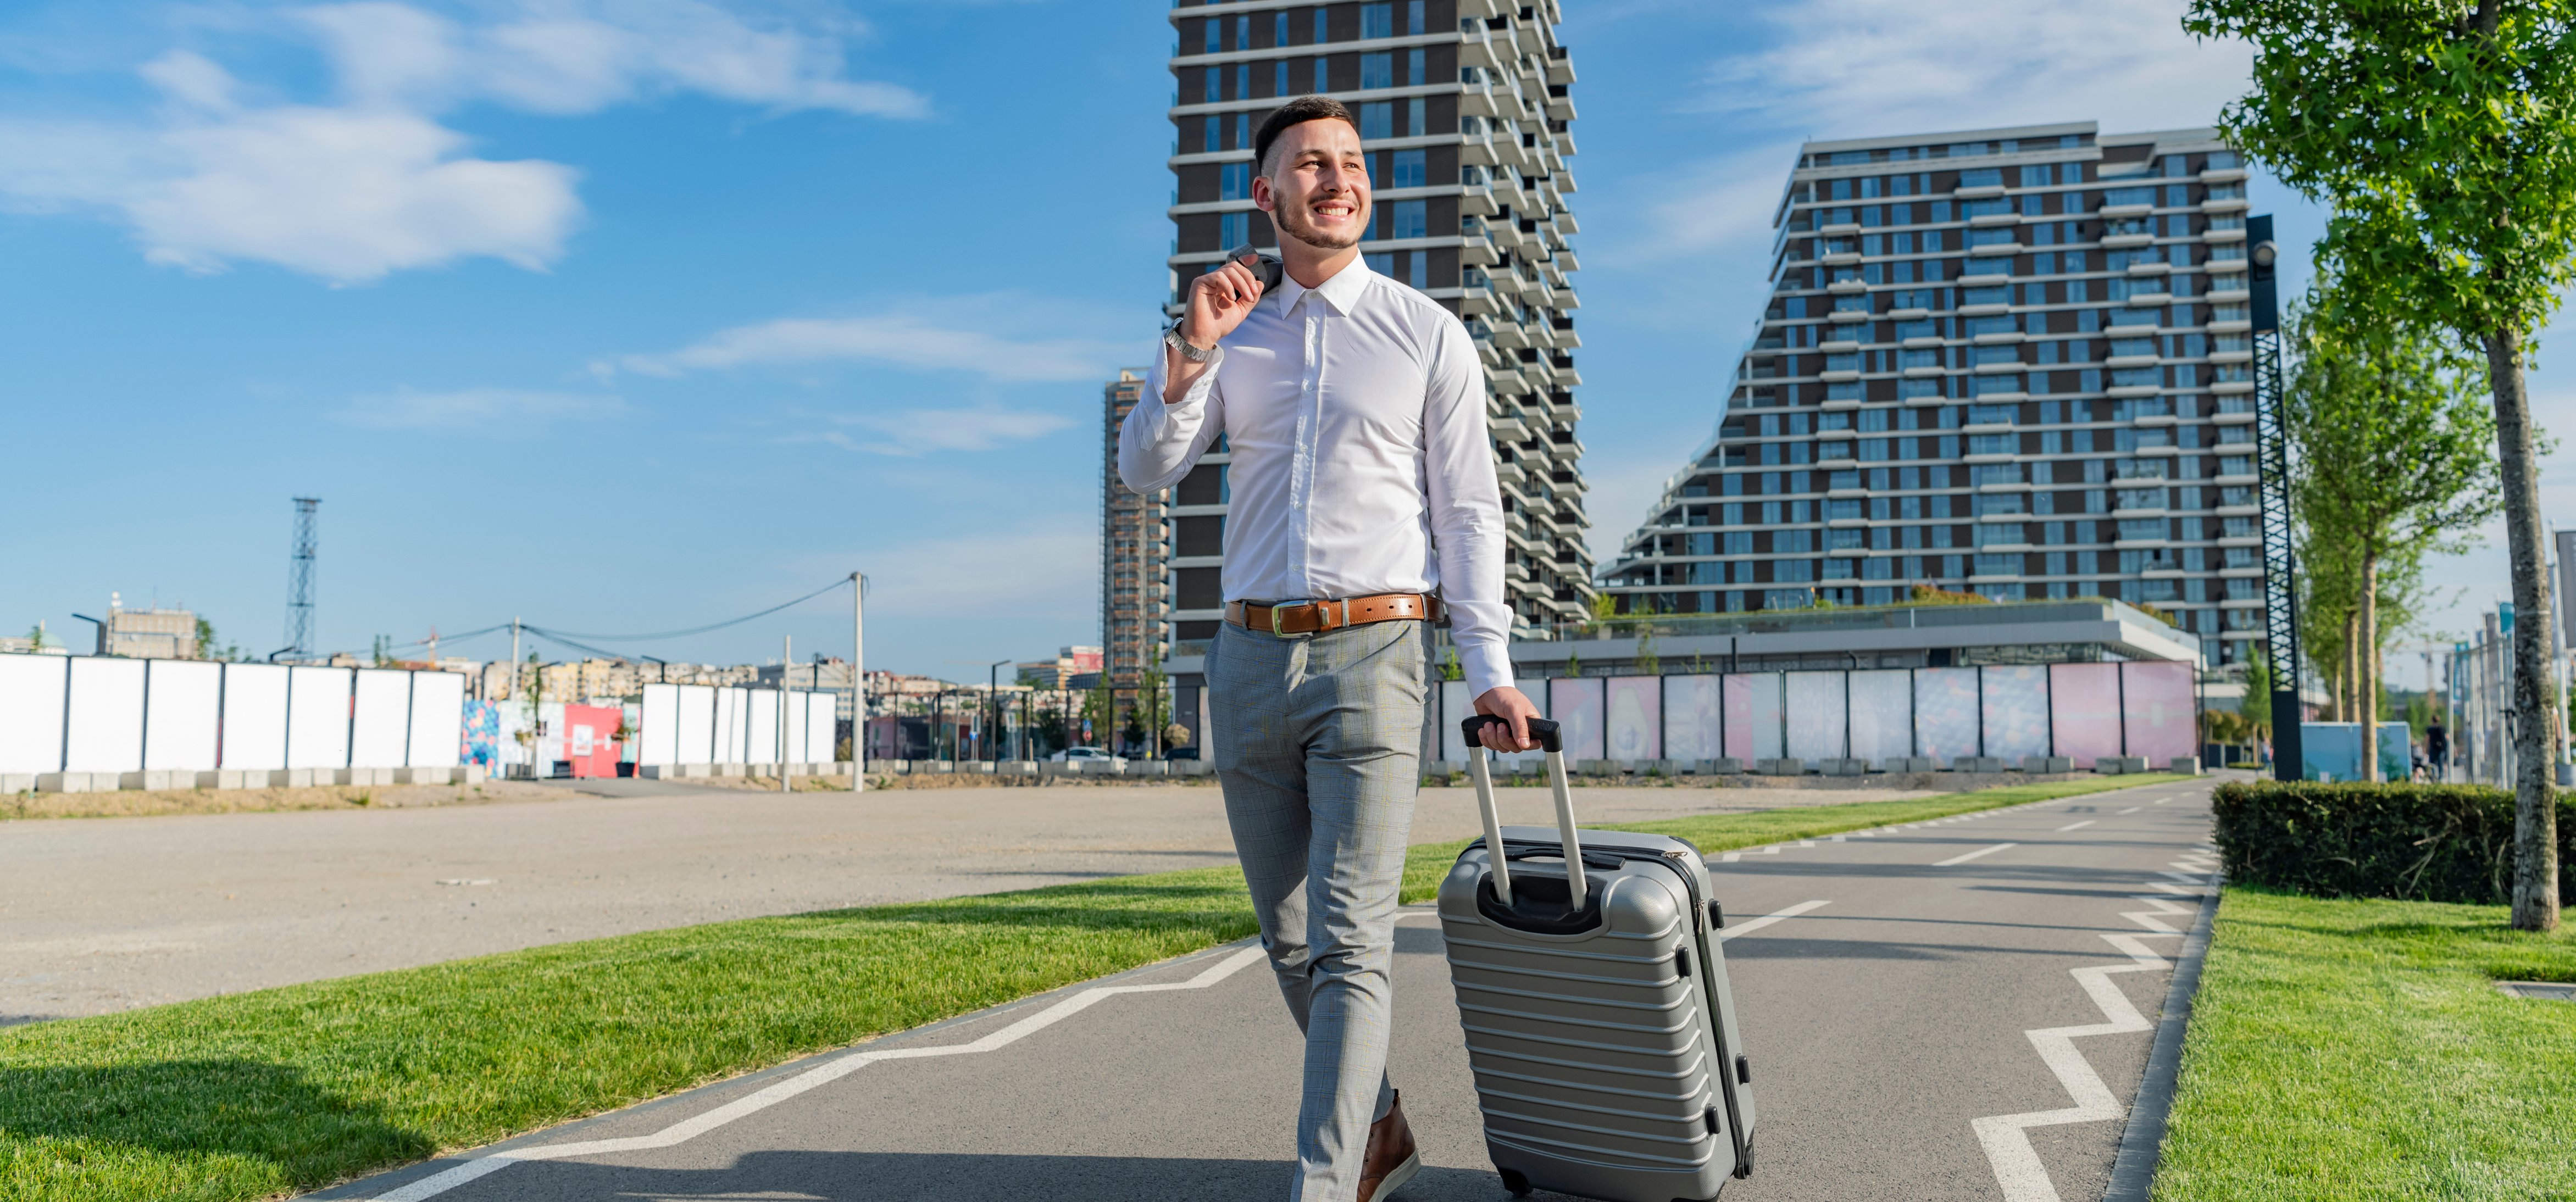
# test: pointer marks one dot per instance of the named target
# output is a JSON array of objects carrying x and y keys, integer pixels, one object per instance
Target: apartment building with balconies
[
  {"x": 1466, "y": 118},
  {"x": 2014, "y": 362},
  {"x": 1135, "y": 553}
]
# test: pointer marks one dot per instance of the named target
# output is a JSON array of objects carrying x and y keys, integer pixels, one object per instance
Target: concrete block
[
  {"x": 73, "y": 782},
  {"x": 1780, "y": 767},
  {"x": 2184, "y": 764},
  {"x": 363, "y": 776},
  {"x": 1724, "y": 765},
  {"x": 147, "y": 779},
  {"x": 1843, "y": 767},
  {"x": 1195, "y": 767},
  {"x": 17, "y": 782},
  {"x": 936, "y": 767},
  {"x": 2120, "y": 765},
  {"x": 657, "y": 771},
  {"x": 473, "y": 774},
  {"x": 975, "y": 767},
  {"x": 1439, "y": 767},
  {"x": 2047, "y": 763},
  {"x": 1599, "y": 768},
  {"x": 1150, "y": 768},
  {"x": 1979, "y": 763},
  {"x": 1108, "y": 767},
  {"x": 231, "y": 778},
  {"x": 291, "y": 778},
  {"x": 1910, "y": 763}
]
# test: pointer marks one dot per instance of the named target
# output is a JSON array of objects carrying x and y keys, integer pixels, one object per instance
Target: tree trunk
[
  {"x": 2535, "y": 825},
  {"x": 2349, "y": 687},
  {"x": 2366, "y": 660}
]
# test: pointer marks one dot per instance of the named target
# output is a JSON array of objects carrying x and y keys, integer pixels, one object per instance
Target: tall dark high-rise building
[
  {"x": 1135, "y": 602},
  {"x": 1465, "y": 113},
  {"x": 2013, "y": 362}
]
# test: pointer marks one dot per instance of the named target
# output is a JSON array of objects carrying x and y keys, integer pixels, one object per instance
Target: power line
[{"x": 673, "y": 634}]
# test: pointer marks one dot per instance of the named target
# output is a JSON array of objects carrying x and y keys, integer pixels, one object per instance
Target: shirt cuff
[
  {"x": 1198, "y": 393},
  {"x": 1487, "y": 667}
]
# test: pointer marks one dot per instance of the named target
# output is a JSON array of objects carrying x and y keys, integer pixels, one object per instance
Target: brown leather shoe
[{"x": 1391, "y": 1160}]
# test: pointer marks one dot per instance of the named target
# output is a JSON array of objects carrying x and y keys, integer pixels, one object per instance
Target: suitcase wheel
[{"x": 1517, "y": 1182}]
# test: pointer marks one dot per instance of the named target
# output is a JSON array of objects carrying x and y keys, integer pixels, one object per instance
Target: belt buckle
[{"x": 1275, "y": 612}]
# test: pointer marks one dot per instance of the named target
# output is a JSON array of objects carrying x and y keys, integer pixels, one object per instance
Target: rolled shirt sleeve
[{"x": 1466, "y": 509}]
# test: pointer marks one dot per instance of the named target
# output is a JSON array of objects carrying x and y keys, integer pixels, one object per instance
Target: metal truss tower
[
  {"x": 299, "y": 580},
  {"x": 2280, "y": 576}
]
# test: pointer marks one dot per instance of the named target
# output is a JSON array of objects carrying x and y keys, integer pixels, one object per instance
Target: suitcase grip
[
  {"x": 1551, "y": 739},
  {"x": 1550, "y": 735}
]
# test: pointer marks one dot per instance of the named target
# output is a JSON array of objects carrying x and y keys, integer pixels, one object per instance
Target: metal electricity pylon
[
  {"x": 299, "y": 580},
  {"x": 2280, "y": 578}
]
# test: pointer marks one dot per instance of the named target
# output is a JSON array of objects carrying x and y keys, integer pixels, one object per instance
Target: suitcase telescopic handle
[{"x": 1551, "y": 739}]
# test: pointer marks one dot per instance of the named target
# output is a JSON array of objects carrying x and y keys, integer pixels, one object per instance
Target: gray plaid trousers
[{"x": 1318, "y": 745}]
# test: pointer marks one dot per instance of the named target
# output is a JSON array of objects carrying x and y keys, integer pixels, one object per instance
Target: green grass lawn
[
  {"x": 263, "y": 1093},
  {"x": 2359, "y": 1049}
]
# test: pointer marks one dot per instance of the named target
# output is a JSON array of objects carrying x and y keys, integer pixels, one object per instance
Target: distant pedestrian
[
  {"x": 2437, "y": 748},
  {"x": 1364, "y": 506}
]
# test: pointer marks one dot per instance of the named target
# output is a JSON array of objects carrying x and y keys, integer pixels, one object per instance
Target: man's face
[{"x": 1319, "y": 191}]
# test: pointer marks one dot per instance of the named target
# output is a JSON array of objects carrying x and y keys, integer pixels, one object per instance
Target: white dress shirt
[{"x": 1355, "y": 413}]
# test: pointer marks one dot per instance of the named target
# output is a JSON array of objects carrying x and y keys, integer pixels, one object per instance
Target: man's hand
[
  {"x": 1219, "y": 301},
  {"x": 1507, "y": 704}
]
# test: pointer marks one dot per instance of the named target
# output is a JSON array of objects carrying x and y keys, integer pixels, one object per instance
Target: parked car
[
  {"x": 1071, "y": 754},
  {"x": 1182, "y": 753}
]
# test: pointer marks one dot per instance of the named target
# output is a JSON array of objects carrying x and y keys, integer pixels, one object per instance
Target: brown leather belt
[{"x": 1316, "y": 617}]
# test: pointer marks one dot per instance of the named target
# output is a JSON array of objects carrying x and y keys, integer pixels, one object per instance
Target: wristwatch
[{"x": 1172, "y": 338}]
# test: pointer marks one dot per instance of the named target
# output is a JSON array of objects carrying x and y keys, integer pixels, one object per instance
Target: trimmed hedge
[{"x": 2445, "y": 843}]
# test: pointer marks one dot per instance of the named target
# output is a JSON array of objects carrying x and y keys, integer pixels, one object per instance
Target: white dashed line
[
  {"x": 1751, "y": 925},
  {"x": 2077, "y": 826},
  {"x": 1974, "y": 854},
  {"x": 2130, "y": 810}
]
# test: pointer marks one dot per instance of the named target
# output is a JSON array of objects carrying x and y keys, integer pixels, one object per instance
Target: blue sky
[{"x": 634, "y": 316}]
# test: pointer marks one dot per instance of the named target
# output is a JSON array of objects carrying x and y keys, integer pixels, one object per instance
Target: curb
[{"x": 2133, "y": 1174}]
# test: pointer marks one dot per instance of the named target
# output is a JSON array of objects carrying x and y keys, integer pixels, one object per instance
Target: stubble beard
[{"x": 1292, "y": 221}]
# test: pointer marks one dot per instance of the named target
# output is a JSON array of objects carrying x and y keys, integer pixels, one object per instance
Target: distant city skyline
[{"x": 650, "y": 340}]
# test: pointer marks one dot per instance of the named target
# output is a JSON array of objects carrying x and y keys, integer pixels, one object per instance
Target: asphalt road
[
  {"x": 106, "y": 914},
  {"x": 1884, "y": 1025}
]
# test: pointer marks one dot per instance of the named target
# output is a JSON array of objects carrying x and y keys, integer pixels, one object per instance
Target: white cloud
[
  {"x": 374, "y": 183},
  {"x": 1860, "y": 68},
  {"x": 944, "y": 339},
  {"x": 487, "y": 409},
  {"x": 911, "y": 433}
]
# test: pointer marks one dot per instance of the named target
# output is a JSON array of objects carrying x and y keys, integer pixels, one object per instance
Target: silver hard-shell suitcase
[{"x": 1593, "y": 991}]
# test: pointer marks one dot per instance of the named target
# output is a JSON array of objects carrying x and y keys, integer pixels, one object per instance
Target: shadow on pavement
[{"x": 942, "y": 1177}]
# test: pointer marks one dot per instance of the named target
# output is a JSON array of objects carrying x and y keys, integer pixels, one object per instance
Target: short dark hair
[{"x": 1296, "y": 112}]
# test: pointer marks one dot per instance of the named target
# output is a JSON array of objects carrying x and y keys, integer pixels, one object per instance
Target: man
[
  {"x": 1364, "y": 505},
  {"x": 2437, "y": 748}
]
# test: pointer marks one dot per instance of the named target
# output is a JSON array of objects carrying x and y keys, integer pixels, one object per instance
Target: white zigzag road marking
[
  {"x": 2006, "y": 1137},
  {"x": 822, "y": 1074}
]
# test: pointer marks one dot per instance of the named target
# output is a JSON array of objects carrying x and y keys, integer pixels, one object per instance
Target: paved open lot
[
  {"x": 105, "y": 914},
  {"x": 1897, "y": 1011}
]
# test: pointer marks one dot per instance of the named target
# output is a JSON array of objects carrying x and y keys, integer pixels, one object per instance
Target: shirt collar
[{"x": 1341, "y": 291}]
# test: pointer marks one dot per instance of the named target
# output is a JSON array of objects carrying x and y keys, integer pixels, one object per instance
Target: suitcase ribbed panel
[{"x": 1592, "y": 1052}]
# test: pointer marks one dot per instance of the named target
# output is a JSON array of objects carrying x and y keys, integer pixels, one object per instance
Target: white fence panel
[
  {"x": 659, "y": 739},
  {"x": 31, "y": 712},
  {"x": 1455, "y": 708},
  {"x": 822, "y": 727},
  {"x": 697, "y": 730},
  {"x": 381, "y": 723},
  {"x": 254, "y": 717},
  {"x": 183, "y": 702},
  {"x": 1690, "y": 718},
  {"x": 437, "y": 720},
  {"x": 730, "y": 729},
  {"x": 317, "y": 717},
  {"x": 799, "y": 704},
  {"x": 106, "y": 718},
  {"x": 761, "y": 711}
]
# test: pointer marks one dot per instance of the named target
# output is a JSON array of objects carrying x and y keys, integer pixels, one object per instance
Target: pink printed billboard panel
[
  {"x": 1945, "y": 713},
  {"x": 1633, "y": 718},
  {"x": 2016, "y": 710},
  {"x": 1691, "y": 718},
  {"x": 1882, "y": 715},
  {"x": 2158, "y": 708},
  {"x": 2084, "y": 710},
  {"x": 1753, "y": 716},
  {"x": 1575, "y": 703}
]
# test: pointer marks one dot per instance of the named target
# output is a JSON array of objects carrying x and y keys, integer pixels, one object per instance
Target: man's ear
[{"x": 1261, "y": 197}]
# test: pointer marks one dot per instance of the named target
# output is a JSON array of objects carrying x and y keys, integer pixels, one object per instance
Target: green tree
[
  {"x": 2256, "y": 705},
  {"x": 2442, "y": 137},
  {"x": 2395, "y": 457}
]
